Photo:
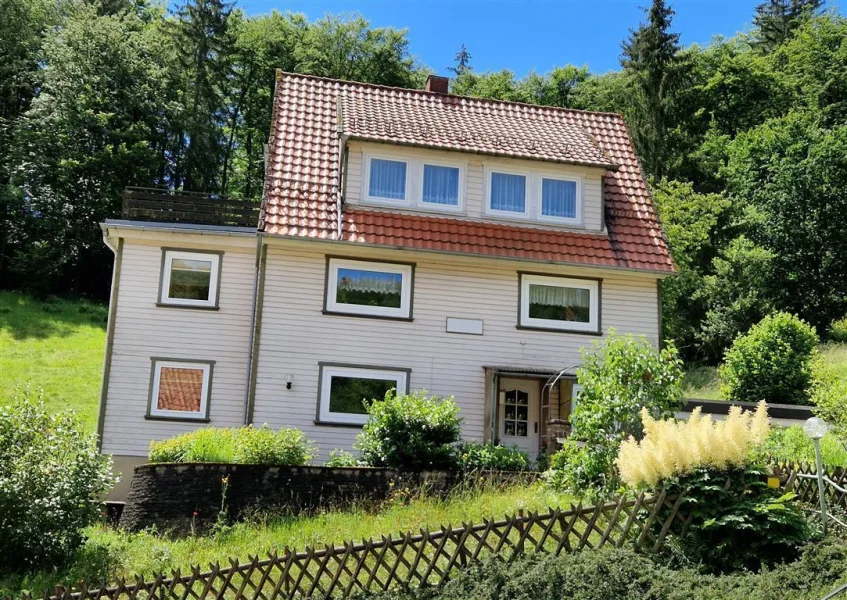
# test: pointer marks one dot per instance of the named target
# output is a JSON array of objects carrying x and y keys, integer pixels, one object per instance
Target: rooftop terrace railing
[{"x": 161, "y": 205}]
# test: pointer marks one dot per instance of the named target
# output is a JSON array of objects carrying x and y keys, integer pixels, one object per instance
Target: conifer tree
[{"x": 776, "y": 20}]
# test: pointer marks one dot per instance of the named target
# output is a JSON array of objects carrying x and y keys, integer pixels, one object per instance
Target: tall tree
[
  {"x": 204, "y": 45},
  {"x": 777, "y": 20},
  {"x": 463, "y": 61},
  {"x": 652, "y": 56}
]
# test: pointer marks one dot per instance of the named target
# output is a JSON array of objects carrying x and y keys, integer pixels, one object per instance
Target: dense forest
[{"x": 744, "y": 139}]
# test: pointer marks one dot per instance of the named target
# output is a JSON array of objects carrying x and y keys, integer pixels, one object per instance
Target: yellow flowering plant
[{"x": 673, "y": 448}]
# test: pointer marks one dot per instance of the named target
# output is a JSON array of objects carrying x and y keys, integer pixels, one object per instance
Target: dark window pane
[
  {"x": 559, "y": 303},
  {"x": 510, "y": 412},
  {"x": 523, "y": 398},
  {"x": 522, "y": 412},
  {"x": 369, "y": 288},
  {"x": 510, "y": 428},
  {"x": 521, "y": 429},
  {"x": 190, "y": 279},
  {"x": 348, "y": 394}
]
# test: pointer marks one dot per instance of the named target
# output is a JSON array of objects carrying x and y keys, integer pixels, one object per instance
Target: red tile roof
[
  {"x": 180, "y": 389},
  {"x": 311, "y": 113}
]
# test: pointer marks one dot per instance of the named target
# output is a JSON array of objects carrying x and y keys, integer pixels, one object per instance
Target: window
[
  {"x": 344, "y": 390},
  {"x": 369, "y": 288},
  {"x": 440, "y": 185},
  {"x": 558, "y": 199},
  {"x": 387, "y": 179},
  {"x": 507, "y": 192},
  {"x": 190, "y": 279},
  {"x": 560, "y": 303},
  {"x": 180, "y": 389}
]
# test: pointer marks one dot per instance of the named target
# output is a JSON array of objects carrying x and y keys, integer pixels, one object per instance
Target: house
[{"x": 407, "y": 239}]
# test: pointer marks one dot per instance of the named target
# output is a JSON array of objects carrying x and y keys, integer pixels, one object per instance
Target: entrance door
[{"x": 518, "y": 414}]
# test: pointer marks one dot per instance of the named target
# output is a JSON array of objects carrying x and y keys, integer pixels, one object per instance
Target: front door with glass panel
[{"x": 518, "y": 414}]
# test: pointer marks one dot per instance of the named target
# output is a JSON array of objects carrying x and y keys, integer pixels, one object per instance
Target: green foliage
[
  {"x": 777, "y": 20},
  {"x": 737, "y": 521},
  {"x": 772, "y": 362},
  {"x": 791, "y": 444},
  {"x": 623, "y": 574},
  {"x": 51, "y": 479},
  {"x": 244, "y": 445},
  {"x": 341, "y": 458},
  {"x": 829, "y": 391},
  {"x": 619, "y": 376},
  {"x": 479, "y": 456},
  {"x": 415, "y": 432},
  {"x": 838, "y": 331}
]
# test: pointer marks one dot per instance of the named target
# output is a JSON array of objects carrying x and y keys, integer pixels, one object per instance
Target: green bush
[
  {"x": 244, "y": 445},
  {"x": 414, "y": 432},
  {"x": 838, "y": 331},
  {"x": 771, "y": 362},
  {"x": 477, "y": 456},
  {"x": 792, "y": 444},
  {"x": 340, "y": 459},
  {"x": 737, "y": 521},
  {"x": 619, "y": 376},
  {"x": 622, "y": 574},
  {"x": 51, "y": 479},
  {"x": 829, "y": 391}
]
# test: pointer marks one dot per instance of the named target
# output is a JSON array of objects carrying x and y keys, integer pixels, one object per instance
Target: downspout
[
  {"x": 248, "y": 384},
  {"x": 342, "y": 162},
  {"x": 110, "y": 334},
  {"x": 495, "y": 397}
]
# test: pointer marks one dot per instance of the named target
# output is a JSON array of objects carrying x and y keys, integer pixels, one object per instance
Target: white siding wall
[
  {"x": 296, "y": 335},
  {"x": 143, "y": 330},
  {"x": 475, "y": 176}
]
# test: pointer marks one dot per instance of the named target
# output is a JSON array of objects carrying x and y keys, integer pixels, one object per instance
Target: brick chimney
[{"x": 436, "y": 83}]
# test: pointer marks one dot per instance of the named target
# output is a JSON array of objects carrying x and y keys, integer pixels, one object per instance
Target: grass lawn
[
  {"x": 109, "y": 554},
  {"x": 54, "y": 345},
  {"x": 703, "y": 382}
]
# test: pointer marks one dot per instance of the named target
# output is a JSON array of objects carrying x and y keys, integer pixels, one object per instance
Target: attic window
[{"x": 387, "y": 179}]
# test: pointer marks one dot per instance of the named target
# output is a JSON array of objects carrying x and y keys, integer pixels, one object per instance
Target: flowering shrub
[
  {"x": 772, "y": 362},
  {"x": 672, "y": 448},
  {"x": 415, "y": 432},
  {"x": 51, "y": 479},
  {"x": 242, "y": 445}
]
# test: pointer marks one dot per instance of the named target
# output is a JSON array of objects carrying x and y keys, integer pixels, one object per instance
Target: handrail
[
  {"x": 826, "y": 479},
  {"x": 835, "y": 592}
]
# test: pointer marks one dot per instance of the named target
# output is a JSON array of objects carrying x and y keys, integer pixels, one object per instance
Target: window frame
[
  {"x": 216, "y": 258},
  {"x": 594, "y": 285},
  {"x": 156, "y": 365},
  {"x": 419, "y": 200},
  {"x": 579, "y": 181},
  {"x": 366, "y": 181},
  {"x": 407, "y": 286},
  {"x": 528, "y": 195},
  {"x": 328, "y": 370}
]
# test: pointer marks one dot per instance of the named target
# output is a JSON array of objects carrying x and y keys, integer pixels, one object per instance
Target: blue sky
[{"x": 524, "y": 35}]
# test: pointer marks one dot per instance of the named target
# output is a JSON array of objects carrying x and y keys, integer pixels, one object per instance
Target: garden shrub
[
  {"x": 340, "y": 459},
  {"x": 415, "y": 432},
  {"x": 771, "y": 362},
  {"x": 478, "y": 456},
  {"x": 829, "y": 391},
  {"x": 736, "y": 520},
  {"x": 838, "y": 331},
  {"x": 619, "y": 376},
  {"x": 791, "y": 444},
  {"x": 51, "y": 479},
  {"x": 243, "y": 445}
]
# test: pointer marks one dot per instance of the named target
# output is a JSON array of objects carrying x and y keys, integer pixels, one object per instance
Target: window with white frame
[
  {"x": 559, "y": 199},
  {"x": 190, "y": 279},
  {"x": 180, "y": 389},
  {"x": 440, "y": 185},
  {"x": 507, "y": 193},
  {"x": 569, "y": 304},
  {"x": 396, "y": 179},
  {"x": 387, "y": 179},
  {"x": 369, "y": 288},
  {"x": 346, "y": 391}
]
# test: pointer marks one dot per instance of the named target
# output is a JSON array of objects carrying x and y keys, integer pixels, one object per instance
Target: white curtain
[
  {"x": 559, "y": 296},
  {"x": 369, "y": 281},
  {"x": 508, "y": 192},
  {"x": 388, "y": 179},
  {"x": 441, "y": 185},
  {"x": 558, "y": 198}
]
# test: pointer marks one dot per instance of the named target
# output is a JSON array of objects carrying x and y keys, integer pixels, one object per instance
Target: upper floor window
[
  {"x": 564, "y": 303},
  {"x": 387, "y": 179},
  {"x": 413, "y": 182},
  {"x": 190, "y": 279},
  {"x": 534, "y": 194},
  {"x": 440, "y": 185},
  {"x": 369, "y": 288},
  {"x": 508, "y": 192},
  {"x": 180, "y": 389}
]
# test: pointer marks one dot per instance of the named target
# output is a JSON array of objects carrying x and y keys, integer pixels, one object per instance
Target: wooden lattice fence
[
  {"x": 806, "y": 488},
  {"x": 410, "y": 560}
]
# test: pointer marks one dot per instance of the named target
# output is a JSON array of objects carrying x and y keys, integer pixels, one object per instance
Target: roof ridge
[{"x": 280, "y": 73}]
